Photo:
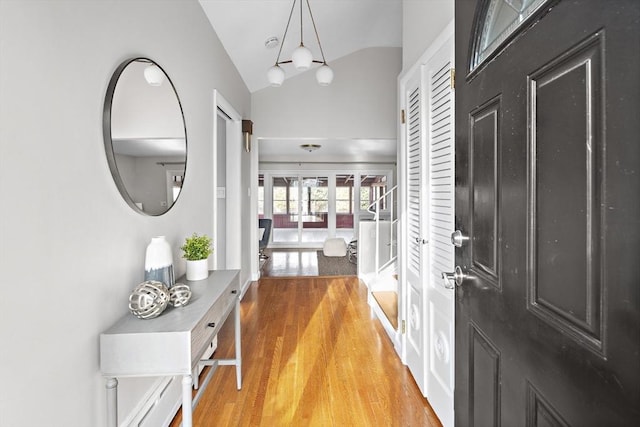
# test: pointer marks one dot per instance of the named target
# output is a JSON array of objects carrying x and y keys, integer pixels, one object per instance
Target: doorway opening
[{"x": 308, "y": 208}]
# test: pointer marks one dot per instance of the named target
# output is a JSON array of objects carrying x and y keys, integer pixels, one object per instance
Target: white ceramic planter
[{"x": 197, "y": 270}]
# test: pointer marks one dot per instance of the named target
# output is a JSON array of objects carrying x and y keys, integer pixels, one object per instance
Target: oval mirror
[{"x": 145, "y": 137}]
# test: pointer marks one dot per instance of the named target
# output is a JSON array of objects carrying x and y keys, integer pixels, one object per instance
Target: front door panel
[
  {"x": 548, "y": 191},
  {"x": 484, "y": 144},
  {"x": 567, "y": 182}
]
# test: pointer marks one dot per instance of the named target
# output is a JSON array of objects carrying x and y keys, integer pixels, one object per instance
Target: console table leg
[
  {"x": 112, "y": 402},
  {"x": 187, "y": 406},
  {"x": 238, "y": 346}
]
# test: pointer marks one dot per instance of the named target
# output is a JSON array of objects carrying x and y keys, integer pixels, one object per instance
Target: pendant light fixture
[{"x": 301, "y": 58}]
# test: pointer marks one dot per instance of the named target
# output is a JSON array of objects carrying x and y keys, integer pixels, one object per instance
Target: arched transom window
[{"x": 498, "y": 22}]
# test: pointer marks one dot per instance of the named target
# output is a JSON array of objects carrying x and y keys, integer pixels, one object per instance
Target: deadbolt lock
[{"x": 458, "y": 239}]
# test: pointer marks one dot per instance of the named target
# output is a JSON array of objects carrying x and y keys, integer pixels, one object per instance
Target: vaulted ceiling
[{"x": 344, "y": 27}]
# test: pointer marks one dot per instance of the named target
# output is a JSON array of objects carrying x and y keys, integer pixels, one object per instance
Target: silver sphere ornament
[
  {"x": 180, "y": 294},
  {"x": 149, "y": 299}
]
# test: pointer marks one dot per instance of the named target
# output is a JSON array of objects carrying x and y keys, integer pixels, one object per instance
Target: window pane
[
  {"x": 279, "y": 193},
  {"x": 319, "y": 193},
  {"x": 372, "y": 187},
  {"x": 343, "y": 206},
  {"x": 279, "y": 206},
  {"x": 365, "y": 197},
  {"x": 293, "y": 201},
  {"x": 319, "y": 206},
  {"x": 343, "y": 193},
  {"x": 501, "y": 19}
]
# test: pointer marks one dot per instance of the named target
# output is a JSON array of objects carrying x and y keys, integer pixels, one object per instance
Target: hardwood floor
[
  {"x": 290, "y": 262},
  {"x": 312, "y": 356}
]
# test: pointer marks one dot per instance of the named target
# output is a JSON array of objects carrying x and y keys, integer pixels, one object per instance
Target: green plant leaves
[{"x": 196, "y": 247}]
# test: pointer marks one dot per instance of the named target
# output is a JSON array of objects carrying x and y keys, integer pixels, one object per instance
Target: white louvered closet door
[
  {"x": 441, "y": 258},
  {"x": 416, "y": 232}
]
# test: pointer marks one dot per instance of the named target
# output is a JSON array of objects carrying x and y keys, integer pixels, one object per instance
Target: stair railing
[{"x": 375, "y": 209}]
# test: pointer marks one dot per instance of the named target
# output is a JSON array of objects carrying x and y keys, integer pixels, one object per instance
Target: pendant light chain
[
  {"x": 285, "y": 31},
  {"x": 301, "y": 43},
  {"x": 313, "y": 21}
]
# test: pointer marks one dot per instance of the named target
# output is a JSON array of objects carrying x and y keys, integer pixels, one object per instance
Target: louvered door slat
[
  {"x": 414, "y": 164},
  {"x": 441, "y": 173}
]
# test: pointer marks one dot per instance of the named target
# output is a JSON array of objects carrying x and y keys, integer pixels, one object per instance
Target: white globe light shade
[
  {"x": 275, "y": 75},
  {"x": 301, "y": 58},
  {"x": 153, "y": 75},
  {"x": 324, "y": 75}
]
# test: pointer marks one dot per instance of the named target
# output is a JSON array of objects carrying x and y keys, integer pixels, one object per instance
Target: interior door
[
  {"x": 547, "y": 190},
  {"x": 439, "y": 295},
  {"x": 416, "y": 231},
  {"x": 220, "y": 255}
]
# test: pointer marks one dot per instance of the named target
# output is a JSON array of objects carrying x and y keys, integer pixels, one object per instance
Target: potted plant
[{"x": 196, "y": 250}]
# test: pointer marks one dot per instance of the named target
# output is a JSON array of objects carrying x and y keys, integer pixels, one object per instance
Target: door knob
[
  {"x": 458, "y": 239},
  {"x": 456, "y": 277}
]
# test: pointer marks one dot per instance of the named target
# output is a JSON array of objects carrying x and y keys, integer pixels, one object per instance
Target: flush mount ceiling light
[
  {"x": 310, "y": 147},
  {"x": 302, "y": 58}
]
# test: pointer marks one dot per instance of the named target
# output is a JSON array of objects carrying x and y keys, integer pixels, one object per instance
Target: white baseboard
[{"x": 245, "y": 286}]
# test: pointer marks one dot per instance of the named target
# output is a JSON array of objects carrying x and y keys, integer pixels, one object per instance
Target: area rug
[{"x": 335, "y": 266}]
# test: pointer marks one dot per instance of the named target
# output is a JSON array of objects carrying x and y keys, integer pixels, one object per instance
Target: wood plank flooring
[
  {"x": 312, "y": 356},
  {"x": 290, "y": 263}
]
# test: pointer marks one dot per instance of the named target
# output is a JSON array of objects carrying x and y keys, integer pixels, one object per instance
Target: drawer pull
[
  {"x": 234, "y": 291},
  {"x": 211, "y": 324}
]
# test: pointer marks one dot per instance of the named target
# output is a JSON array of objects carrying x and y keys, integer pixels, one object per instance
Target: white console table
[{"x": 174, "y": 342}]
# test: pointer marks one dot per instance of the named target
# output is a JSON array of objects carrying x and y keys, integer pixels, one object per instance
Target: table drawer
[{"x": 208, "y": 326}]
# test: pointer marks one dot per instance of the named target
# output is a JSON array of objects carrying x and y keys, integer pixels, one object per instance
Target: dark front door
[{"x": 548, "y": 192}]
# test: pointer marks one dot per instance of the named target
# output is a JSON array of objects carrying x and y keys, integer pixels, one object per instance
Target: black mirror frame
[{"x": 107, "y": 138}]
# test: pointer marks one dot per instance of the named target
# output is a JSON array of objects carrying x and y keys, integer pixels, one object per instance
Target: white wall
[
  {"x": 359, "y": 103},
  {"x": 422, "y": 22},
  {"x": 71, "y": 249}
]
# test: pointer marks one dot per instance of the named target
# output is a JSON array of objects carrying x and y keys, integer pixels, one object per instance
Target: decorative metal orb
[
  {"x": 180, "y": 294},
  {"x": 149, "y": 299}
]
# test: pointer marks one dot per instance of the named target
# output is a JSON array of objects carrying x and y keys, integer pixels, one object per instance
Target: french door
[{"x": 300, "y": 209}]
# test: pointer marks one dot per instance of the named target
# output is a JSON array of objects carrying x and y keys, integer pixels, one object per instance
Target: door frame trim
[{"x": 233, "y": 197}]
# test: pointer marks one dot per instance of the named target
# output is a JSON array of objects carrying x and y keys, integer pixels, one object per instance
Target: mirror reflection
[{"x": 145, "y": 137}]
